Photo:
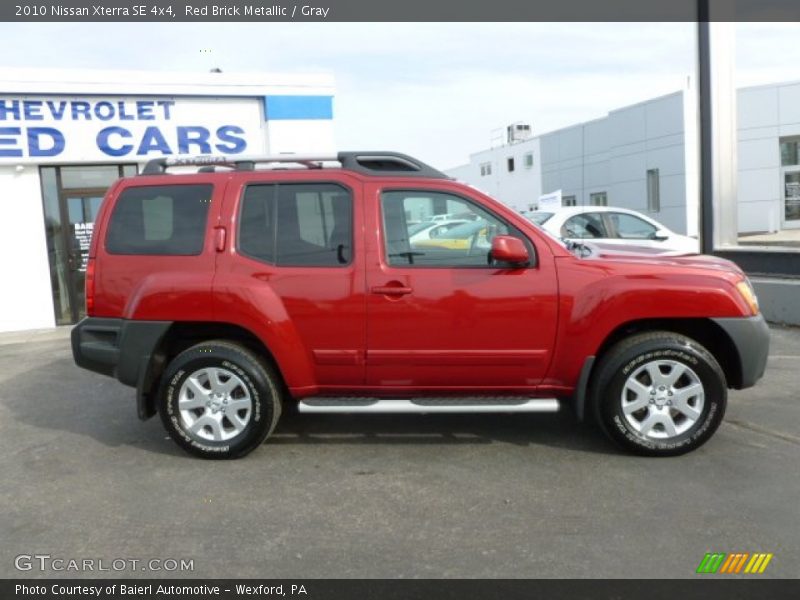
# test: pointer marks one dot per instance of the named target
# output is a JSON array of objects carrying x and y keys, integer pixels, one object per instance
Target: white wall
[
  {"x": 519, "y": 189},
  {"x": 765, "y": 114},
  {"x": 613, "y": 155},
  {"x": 26, "y": 300}
]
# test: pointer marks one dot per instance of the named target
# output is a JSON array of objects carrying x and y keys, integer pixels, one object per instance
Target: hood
[{"x": 655, "y": 256}]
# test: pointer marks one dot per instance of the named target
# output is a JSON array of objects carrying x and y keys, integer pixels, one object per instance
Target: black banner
[
  {"x": 378, "y": 589},
  {"x": 407, "y": 10}
]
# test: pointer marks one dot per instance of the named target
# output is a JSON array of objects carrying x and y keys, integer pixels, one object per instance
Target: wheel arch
[
  {"x": 703, "y": 330},
  {"x": 182, "y": 335}
]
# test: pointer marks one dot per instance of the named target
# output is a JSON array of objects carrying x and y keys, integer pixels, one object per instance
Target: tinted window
[
  {"x": 165, "y": 219},
  {"x": 302, "y": 225},
  {"x": 587, "y": 225},
  {"x": 632, "y": 228},
  {"x": 464, "y": 244}
]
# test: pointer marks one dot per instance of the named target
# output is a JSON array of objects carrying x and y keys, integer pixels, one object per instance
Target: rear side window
[
  {"x": 299, "y": 225},
  {"x": 163, "y": 219}
]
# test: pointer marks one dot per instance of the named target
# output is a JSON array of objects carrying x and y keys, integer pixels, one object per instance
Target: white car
[
  {"x": 430, "y": 230},
  {"x": 612, "y": 225}
]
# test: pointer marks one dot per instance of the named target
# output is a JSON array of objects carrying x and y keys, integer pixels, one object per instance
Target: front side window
[
  {"x": 628, "y": 227},
  {"x": 462, "y": 240},
  {"x": 300, "y": 225},
  {"x": 160, "y": 220},
  {"x": 583, "y": 226}
]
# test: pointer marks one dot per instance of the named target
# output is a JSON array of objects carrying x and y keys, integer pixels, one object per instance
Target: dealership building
[
  {"x": 65, "y": 136},
  {"x": 644, "y": 157}
]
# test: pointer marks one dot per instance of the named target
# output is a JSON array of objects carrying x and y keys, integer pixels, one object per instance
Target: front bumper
[{"x": 750, "y": 337}]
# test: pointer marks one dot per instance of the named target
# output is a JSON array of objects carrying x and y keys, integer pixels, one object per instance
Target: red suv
[{"x": 226, "y": 293}]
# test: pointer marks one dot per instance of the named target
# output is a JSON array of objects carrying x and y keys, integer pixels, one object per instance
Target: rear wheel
[
  {"x": 219, "y": 400},
  {"x": 659, "y": 394}
]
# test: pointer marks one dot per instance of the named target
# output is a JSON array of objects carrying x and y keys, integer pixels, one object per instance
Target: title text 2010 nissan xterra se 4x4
[{"x": 226, "y": 293}]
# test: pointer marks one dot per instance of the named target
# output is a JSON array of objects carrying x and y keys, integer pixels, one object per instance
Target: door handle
[{"x": 391, "y": 290}]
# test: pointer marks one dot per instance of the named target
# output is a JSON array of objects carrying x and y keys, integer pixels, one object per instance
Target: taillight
[{"x": 90, "y": 288}]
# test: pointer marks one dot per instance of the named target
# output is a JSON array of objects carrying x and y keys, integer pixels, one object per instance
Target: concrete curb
[{"x": 35, "y": 335}]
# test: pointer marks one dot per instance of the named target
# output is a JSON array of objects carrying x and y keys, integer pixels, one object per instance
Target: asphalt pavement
[{"x": 383, "y": 496}]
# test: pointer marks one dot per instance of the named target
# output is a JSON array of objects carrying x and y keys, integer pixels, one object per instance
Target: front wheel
[
  {"x": 659, "y": 394},
  {"x": 219, "y": 400}
]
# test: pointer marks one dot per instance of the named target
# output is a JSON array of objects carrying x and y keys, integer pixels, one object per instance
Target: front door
[
  {"x": 440, "y": 317},
  {"x": 791, "y": 198}
]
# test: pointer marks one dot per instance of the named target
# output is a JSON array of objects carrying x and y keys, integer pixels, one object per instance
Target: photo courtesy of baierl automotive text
[{"x": 227, "y": 291}]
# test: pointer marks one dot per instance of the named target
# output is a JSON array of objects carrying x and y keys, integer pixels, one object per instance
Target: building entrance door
[
  {"x": 791, "y": 198},
  {"x": 72, "y": 198}
]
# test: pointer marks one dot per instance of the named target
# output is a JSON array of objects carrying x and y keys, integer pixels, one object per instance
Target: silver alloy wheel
[
  {"x": 662, "y": 399},
  {"x": 214, "y": 404}
]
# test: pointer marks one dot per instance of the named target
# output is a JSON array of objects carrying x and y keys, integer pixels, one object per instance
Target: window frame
[
  {"x": 594, "y": 195},
  {"x": 569, "y": 200},
  {"x": 527, "y": 160},
  {"x": 529, "y": 244},
  {"x": 653, "y": 190},
  {"x": 240, "y": 206}
]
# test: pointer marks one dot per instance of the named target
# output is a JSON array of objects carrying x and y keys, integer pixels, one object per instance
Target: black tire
[
  {"x": 256, "y": 379},
  {"x": 627, "y": 363}
]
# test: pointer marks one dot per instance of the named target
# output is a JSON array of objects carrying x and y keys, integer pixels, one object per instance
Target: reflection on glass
[
  {"x": 768, "y": 126},
  {"x": 69, "y": 223},
  {"x": 55, "y": 246},
  {"x": 101, "y": 176}
]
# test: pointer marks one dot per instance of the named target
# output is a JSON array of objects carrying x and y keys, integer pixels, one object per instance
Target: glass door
[
  {"x": 81, "y": 213},
  {"x": 72, "y": 196},
  {"x": 791, "y": 198}
]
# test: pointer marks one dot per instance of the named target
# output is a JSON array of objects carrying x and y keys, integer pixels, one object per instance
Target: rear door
[
  {"x": 440, "y": 317},
  {"x": 295, "y": 270}
]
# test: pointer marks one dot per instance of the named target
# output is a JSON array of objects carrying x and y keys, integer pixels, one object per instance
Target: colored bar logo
[{"x": 737, "y": 562}]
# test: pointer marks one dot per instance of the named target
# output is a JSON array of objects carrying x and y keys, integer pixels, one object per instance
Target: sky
[{"x": 437, "y": 91}]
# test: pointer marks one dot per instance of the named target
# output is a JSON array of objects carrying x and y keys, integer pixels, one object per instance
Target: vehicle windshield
[{"x": 539, "y": 217}]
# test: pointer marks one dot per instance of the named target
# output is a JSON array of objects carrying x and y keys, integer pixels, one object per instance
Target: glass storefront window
[
  {"x": 789, "y": 153},
  {"x": 100, "y": 176},
  {"x": 71, "y": 198}
]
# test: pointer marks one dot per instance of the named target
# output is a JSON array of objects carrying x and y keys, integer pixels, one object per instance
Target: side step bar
[{"x": 427, "y": 405}]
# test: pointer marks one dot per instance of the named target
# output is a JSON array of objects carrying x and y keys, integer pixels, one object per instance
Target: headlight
[{"x": 748, "y": 294}]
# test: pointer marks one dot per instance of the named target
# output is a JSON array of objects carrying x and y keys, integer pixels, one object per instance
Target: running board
[{"x": 427, "y": 405}]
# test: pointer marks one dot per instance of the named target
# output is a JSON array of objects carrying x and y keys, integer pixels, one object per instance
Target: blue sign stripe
[{"x": 298, "y": 107}]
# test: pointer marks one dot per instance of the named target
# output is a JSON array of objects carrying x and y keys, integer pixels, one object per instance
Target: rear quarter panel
[{"x": 156, "y": 287}]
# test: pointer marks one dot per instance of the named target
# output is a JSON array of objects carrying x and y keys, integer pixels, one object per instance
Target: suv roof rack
[{"x": 366, "y": 163}]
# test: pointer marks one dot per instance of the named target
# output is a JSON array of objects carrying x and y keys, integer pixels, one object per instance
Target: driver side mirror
[
  {"x": 659, "y": 236},
  {"x": 509, "y": 249}
]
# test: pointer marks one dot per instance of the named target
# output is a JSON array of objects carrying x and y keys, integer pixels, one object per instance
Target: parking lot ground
[{"x": 387, "y": 496}]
